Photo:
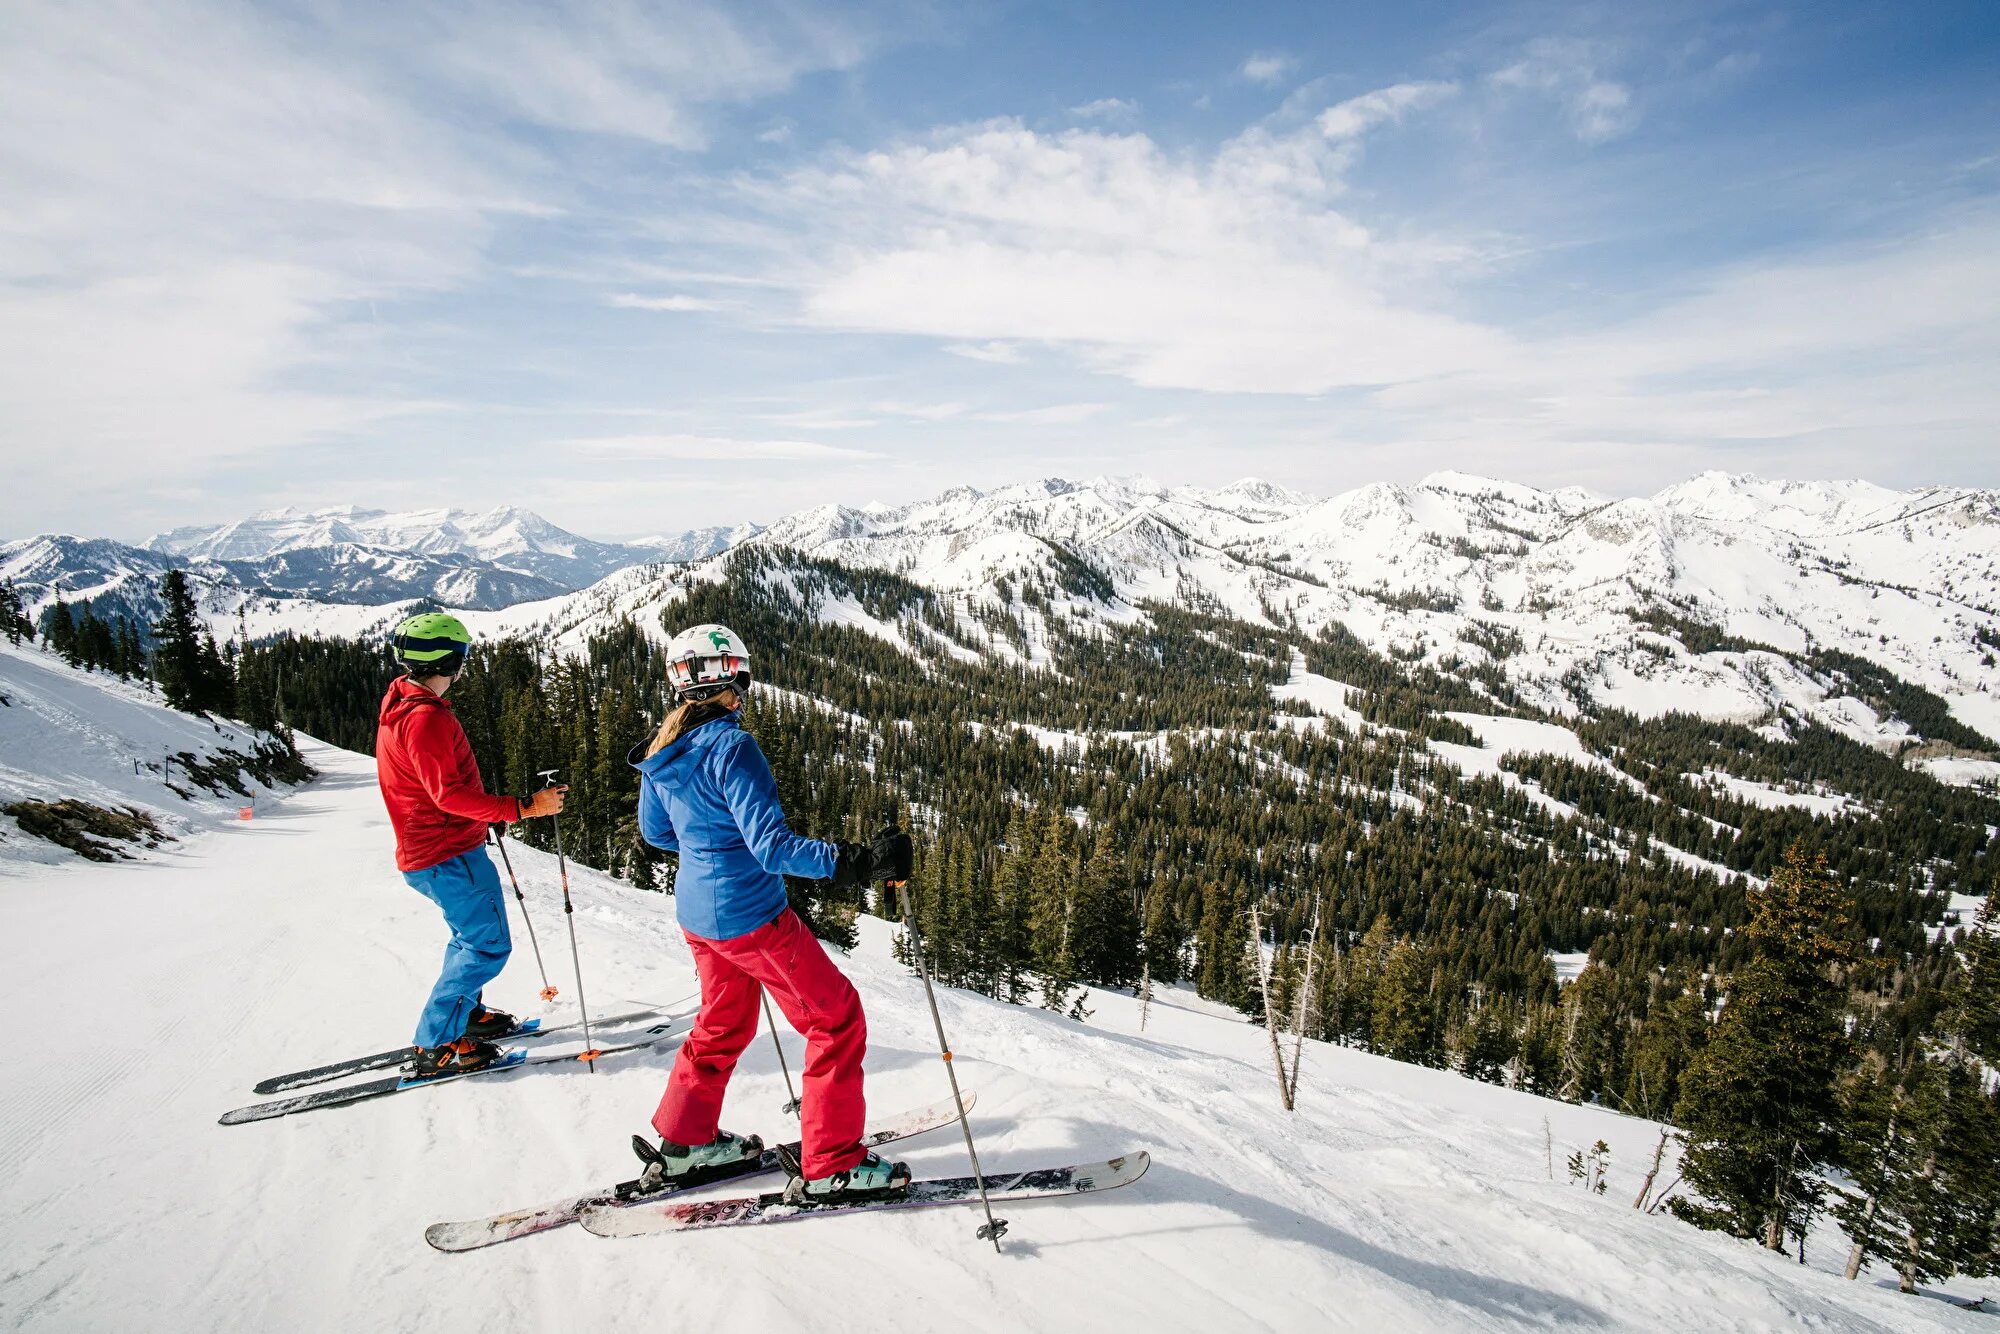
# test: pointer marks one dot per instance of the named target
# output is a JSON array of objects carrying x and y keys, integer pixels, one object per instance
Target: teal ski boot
[
  {"x": 872, "y": 1178},
  {"x": 677, "y": 1166}
]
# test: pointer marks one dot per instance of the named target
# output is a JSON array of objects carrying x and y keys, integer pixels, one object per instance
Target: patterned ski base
[
  {"x": 381, "y": 1088},
  {"x": 1002, "y": 1188},
  {"x": 387, "y": 1060},
  {"x": 475, "y": 1233}
]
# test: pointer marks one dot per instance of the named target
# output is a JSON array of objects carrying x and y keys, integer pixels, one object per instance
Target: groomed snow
[
  {"x": 1322, "y": 694},
  {"x": 1829, "y": 804},
  {"x": 1964, "y": 772},
  {"x": 1397, "y": 1197}
]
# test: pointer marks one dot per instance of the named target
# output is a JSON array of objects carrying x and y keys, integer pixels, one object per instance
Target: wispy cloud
[
  {"x": 1357, "y": 115},
  {"x": 636, "y": 69},
  {"x": 711, "y": 449},
  {"x": 1056, "y": 414},
  {"x": 1268, "y": 68},
  {"x": 1568, "y": 70},
  {"x": 635, "y": 301},
  {"x": 213, "y": 208},
  {"x": 1106, "y": 108}
]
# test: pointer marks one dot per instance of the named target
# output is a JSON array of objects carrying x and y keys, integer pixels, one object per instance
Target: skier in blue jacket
[{"x": 706, "y": 792}]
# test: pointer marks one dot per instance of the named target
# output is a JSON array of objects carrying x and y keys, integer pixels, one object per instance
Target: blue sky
[{"x": 644, "y": 266}]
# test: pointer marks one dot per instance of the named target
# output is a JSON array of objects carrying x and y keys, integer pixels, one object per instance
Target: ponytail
[{"x": 683, "y": 718}]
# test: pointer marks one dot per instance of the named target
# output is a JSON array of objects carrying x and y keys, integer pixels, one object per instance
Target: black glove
[
  {"x": 853, "y": 865},
  {"x": 891, "y": 854}
]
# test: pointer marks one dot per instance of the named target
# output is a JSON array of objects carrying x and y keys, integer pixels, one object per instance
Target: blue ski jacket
[{"x": 710, "y": 797}]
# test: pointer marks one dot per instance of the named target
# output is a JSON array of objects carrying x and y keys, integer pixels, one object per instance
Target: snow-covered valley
[{"x": 157, "y": 991}]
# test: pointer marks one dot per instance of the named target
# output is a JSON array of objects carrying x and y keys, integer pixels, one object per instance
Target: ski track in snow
[{"x": 157, "y": 993}]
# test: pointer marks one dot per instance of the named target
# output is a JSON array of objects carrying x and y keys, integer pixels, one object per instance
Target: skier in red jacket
[{"x": 441, "y": 812}]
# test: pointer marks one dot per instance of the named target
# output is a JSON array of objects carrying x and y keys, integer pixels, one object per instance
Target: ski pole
[
  {"x": 589, "y": 1053},
  {"x": 994, "y": 1228},
  {"x": 548, "y": 990},
  {"x": 792, "y": 1107}
]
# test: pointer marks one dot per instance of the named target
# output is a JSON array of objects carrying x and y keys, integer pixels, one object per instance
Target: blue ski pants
[{"x": 467, "y": 890}]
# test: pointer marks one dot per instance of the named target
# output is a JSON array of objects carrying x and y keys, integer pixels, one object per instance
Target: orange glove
[{"x": 549, "y": 801}]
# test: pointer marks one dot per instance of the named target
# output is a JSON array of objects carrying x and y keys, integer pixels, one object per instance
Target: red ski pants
[{"x": 783, "y": 957}]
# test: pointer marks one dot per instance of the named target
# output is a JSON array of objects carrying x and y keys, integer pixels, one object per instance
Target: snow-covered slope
[
  {"x": 1396, "y": 1198},
  {"x": 67, "y": 735}
]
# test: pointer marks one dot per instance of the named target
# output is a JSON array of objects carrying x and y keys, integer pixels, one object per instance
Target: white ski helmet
[{"x": 705, "y": 660}]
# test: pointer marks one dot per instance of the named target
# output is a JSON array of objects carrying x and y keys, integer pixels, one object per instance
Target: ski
[
  {"x": 383, "y": 1060},
  {"x": 478, "y": 1232},
  {"x": 1047, "y": 1183},
  {"x": 382, "y": 1088}
]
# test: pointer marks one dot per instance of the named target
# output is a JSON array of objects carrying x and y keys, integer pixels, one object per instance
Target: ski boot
[
  {"x": 453, "y": 1058},
  {"x": 679, "y": 1165},
  {"x": 488, "y": 1024},
  {"x": 872, "y": 1178}
]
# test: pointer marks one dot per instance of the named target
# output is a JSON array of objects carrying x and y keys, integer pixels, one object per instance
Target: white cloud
[
  {"x": 1267, "y": 68},
  {"x": 929, "y": 412},
  {"x": 634, "y": 301},
  {"x": 1231, "y": 274},
  {"x": 1357, "y": 115},
  {"x": 1000, "y": 354},
  {"x": 710, "y": 449},
  {"x": 1567, "y": 70},
  {"x": 1106, "y": 108}
]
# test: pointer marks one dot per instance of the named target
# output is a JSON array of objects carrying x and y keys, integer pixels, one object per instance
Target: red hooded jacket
[{"x": 429, "y": 780}]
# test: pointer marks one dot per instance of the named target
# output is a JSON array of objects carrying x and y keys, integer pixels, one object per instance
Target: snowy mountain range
[
  {"x": 346, "y": 555},
  {"x": 1725, "y": 596},
  {"x": 504, "y": 538}
]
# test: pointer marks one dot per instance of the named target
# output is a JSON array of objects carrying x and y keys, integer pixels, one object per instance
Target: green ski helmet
[{"x": 432, "y": 643}]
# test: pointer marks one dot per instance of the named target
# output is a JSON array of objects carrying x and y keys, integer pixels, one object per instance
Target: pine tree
[
  {"x": 1758, "y": 1107},
  {"x": 1052, "y": 910},
  {"x": 1972, "y": 998},
  {"x": 1406, "y": 1024},
  {"x": 14, "y": 621},
  {"x": 1590, "y": 1034},
  {"x": 59, "y": 631},
  {"x": 131, "y": 656},
  {"x": 1105, "y": 927},
  {"x": 178, "y": 662},
  {"x": 1538, "y": 1055},
  {"x": 1666, "y": 1042},
  {"x": 1922, "y": 1136},
  {"x": 1486, "y": 1043},
  {"x": 1222, "y": 946},
  {"x": 215, "y": 680}
]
